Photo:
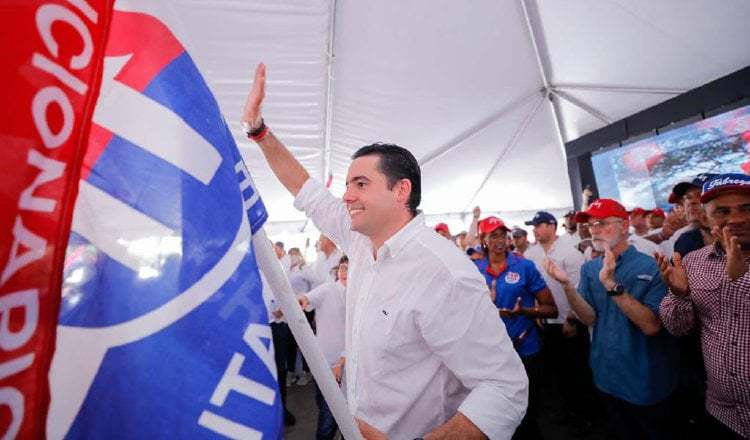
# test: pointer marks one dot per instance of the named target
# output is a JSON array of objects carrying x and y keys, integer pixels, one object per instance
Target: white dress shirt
[
  {"x": 643, "y": 246},
  {"x": 329, "y": 302},
  {"x": 567, "y": 258},
  {"x": 423, "y": 340}
]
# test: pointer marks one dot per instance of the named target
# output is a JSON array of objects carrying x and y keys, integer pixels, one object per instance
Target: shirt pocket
[{"x": 706, "y": 293}]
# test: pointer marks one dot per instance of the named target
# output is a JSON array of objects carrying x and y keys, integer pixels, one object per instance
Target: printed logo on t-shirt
[{"x": 512, "y": 278}]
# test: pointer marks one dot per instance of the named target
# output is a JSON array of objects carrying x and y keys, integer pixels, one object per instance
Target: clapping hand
[
  {"x": 736, "y": 264},
  {"x": 607, "y": 274},
  {"x": 555, "y": 272},
  {"x": 674, "y": 275}
]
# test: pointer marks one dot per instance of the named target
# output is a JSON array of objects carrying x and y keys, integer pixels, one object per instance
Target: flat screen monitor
[{"x": 642, "y": 173}]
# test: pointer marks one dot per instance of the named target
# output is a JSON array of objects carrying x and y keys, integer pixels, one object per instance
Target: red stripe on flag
[{"x": 47, "y": 132}]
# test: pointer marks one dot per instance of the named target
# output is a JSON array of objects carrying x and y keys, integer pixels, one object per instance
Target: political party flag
[
  {"x": 51, "y": 54},
  {"x": 162, "y": 328}
]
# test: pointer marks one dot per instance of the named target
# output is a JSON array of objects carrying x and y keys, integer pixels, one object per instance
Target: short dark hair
[
  {"x": 343, "y": 259},
  {"x": 280, "y": 244},
  {"x": 397, "y": 163}
]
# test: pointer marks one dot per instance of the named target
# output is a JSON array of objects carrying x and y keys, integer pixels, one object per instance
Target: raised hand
[
  {"x": 607, "y": 274},
  {"x": 675, "y": 276},
  {"x": 476, "y": 212},
  {"x": 555, "y": 272},
  {"x": 736, "y": 264},
  {"x": 251, "y": 115}
]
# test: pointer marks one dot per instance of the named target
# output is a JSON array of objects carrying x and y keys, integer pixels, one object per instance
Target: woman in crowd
[{"x": 521, "y": 296}]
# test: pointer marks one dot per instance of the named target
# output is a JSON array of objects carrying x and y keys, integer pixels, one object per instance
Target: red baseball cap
[
  {"x": 602, "y": 208},
  {"x": 491, "y": 223},
  {"x": 658, "y": 212},
  {"x": 442, "y": 227},
  {"x": 638, "y": 211}
]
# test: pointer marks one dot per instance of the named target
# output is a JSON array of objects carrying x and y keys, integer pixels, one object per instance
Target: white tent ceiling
[{"x": 464, "y": 85}]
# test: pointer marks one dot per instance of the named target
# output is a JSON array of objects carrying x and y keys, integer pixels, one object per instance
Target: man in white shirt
[
  {"x": 328, "y": 257},
  {"x": 565, "y": 338},
  {"x": 427, "y": 354},
  {"x": 570, "y": 237}
]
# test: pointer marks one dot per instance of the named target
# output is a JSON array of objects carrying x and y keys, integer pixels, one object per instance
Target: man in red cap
[
  {"x": 638, "y": 221},
  {"x": 709, "y": 290},
  {"x": 655, "y": 220},
  {"x": 632, "y": 359}
]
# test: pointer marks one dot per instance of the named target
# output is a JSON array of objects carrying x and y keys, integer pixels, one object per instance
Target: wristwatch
[{"x": 617, "y": 290}]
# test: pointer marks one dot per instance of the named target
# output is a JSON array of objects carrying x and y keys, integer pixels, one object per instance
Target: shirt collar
[
  {"x": 398, "y": 240},
  {"x": 717, "y": 250}
]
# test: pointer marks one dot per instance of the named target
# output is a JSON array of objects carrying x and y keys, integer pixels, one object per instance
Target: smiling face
[
  {"x": 374, "y": 208},
  {"x": 496, "y": 242},
  {"x": 733, "y": 211}
]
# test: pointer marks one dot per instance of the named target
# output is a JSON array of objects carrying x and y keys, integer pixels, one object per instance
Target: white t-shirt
[
  {"x": 567, "y": 258},
  {"x": 423, "y": 340},
  {"x": 329, "y": 302}
]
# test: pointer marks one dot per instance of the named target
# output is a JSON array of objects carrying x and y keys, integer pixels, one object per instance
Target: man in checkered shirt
[{"x": 710, "y": 288}]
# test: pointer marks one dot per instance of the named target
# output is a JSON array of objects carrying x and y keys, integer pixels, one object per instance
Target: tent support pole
[
  {"x": 329, "y": 96},
  {"x": 583, "y": 106},
  {"x": 476, "y": 129},
  {"x": 531, "y": 14},
  {"x": 620, "y": 89},
  {"x": 511, "y": 144}
]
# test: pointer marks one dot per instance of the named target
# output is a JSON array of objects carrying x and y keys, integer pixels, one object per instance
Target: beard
[{"x": 599, "y": 243}]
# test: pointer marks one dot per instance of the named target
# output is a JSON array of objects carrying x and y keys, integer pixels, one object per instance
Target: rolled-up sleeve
[
  {"x": 463, "y": 329},
  {"x": 677, "y": 314},
  {"x": 327, "y": 212}
]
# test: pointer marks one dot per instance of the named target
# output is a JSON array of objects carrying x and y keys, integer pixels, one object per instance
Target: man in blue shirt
[{"x": 633, "y": 359}]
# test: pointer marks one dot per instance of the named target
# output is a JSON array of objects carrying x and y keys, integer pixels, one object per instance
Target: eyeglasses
[{"x": 598, "y": 224}]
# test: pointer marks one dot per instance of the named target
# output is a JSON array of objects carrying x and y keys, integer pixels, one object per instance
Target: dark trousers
[
  {"x": 566, "y": 362},
  {"x": 326, "y": 423},
  {"x": 529, "y": 427},
  {"x": 280, "y": 334},
  {"x": 292, "y": 347},
  {"x": 641, "y": 422}
]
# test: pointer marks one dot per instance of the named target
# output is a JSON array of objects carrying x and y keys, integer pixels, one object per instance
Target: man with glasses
[{"x": 633, "y": 360}]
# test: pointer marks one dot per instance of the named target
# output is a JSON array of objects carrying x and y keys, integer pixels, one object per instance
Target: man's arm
[
  {"x": 462, "y": 328},
  {"x": 640, "y": 315},
  {"x": 676, "y": 309},
  {"x": 326, "y": 211},
  {"x": 283, "y": 164}
]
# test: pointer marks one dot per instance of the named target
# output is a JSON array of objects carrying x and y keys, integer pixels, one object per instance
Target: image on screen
[{"x": 643, "y": 173}]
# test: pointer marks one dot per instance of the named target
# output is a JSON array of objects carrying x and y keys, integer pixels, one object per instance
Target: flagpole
[{"x": 282, "y": 290}]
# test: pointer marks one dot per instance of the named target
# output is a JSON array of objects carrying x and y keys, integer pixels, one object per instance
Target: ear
[{"x": 404, "y": 191}]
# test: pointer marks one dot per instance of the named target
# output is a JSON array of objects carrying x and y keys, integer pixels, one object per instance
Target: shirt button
[
  {"x": 734, "y": 343},
  {"x": 736, "y": 315},
  {"x": 733, "y": 374}
]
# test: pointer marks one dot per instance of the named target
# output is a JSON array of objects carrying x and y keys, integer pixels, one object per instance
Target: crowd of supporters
[{"x": 639, "y": 318}]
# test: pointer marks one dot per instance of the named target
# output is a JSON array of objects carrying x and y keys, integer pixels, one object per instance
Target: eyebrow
[{"x": 357, "y": 179}]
